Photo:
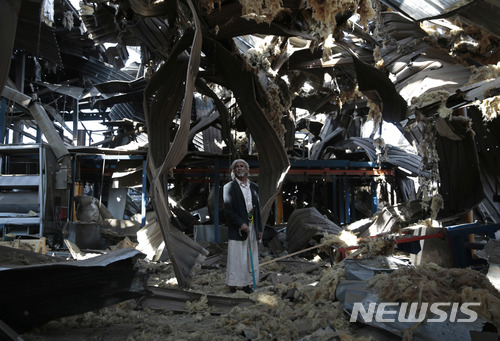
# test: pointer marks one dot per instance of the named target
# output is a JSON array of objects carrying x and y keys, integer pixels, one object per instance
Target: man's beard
[{"x": 240, "y": 174}]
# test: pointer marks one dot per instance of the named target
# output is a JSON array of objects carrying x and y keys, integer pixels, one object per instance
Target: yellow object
[
  {"x": 8, "y": 237},
  {"x": 78, "y": 188}
]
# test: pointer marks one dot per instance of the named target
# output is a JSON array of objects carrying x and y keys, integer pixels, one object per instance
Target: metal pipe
[
  {"x": 42, "y": 119},
  {"x": 45, "y": 124}
]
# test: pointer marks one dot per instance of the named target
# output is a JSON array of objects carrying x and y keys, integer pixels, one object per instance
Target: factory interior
[{"x": 370, "y": 127}]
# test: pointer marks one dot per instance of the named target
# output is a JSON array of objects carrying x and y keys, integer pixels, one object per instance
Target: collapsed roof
[{"x": 270, "y": 69}]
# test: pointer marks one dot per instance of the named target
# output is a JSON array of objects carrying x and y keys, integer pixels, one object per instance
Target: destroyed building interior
[{"x": 370, "y": 127}]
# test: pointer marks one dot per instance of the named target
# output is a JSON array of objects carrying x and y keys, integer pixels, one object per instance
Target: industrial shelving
[{"x": 22, "y": 195}]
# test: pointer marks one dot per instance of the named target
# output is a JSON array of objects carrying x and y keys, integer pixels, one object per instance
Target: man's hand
[{"x": 245, "y": 228}]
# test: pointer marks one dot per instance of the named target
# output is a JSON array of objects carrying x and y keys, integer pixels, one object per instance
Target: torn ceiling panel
[
  {"x": 119, "y": 86},
  {"x": 154, "y": 33},
  {"x": 124, "y": 98},
  {"x": 127, "y": 111},
  {"x": 481, "y": 90},
  {"x": 154, "y": 9},
  {"x": 86, "y": 72},
  {"x": 185, "y": 254},
  {"x": 94, "y": 70},
  {"x": 131, "y": 98},
  {"x": 74, "y": 41},
  {"x": 222, "y": 111},
  {"x": 100, "y": 23},
  {"x": 418, "y": 67},
  {"x": 447, "y": 78},
  {"x": 487, "y": 142},
  {"x": 432, "y": 81},
  {"x": 226, "y": 20},
  {"x": 388, "y": 154},
  {"x": 162, "y": 101},
  {"x": 273, "y": 160},
  {"x": 260, "y": 83},
  {"x": 421, "y": 9},
  {"x": 35, "y": 37},
  {"x": 379, "y": 89},
  {"x": 318, "y": 150},
  {"x": 458, "y": 160},
  {"x": 481, "y": 13},
  {"x": 318, "y": 103},
  {"x": 75, "y": 92}
]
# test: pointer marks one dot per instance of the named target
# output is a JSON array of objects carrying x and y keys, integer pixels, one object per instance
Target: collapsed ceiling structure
[{"x": 283, "y": 84}]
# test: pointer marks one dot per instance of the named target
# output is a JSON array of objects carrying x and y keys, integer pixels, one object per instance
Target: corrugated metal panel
[
  {"x": 101, "y": 25},
  {"x": 98, "y": 72},
  {"x": 229, "y": 22},
  {"x": 154, "y": 33},
  {"x": 421, "y": 68},
  {"x": 212, "y": 140},
  {"x": 449, "y": 78},
  {"x": 36, "y": 37},
  {"x": 126, "y": 110},
  {"x": 481, "y": 13},
  {"x": 392, "y": 155},
  {"x": 487, "y": 141},
  {"x": 74, "y": 42},
  {"x": 95, "y": 70},
  {"x": 121, "y": 86},
  {"x": 421, "y": 9},
  {"x": 121, "y": 98},
  {"x": 460, "y": 181}
]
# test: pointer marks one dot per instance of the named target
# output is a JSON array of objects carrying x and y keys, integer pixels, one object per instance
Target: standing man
[{"x": 242, "y": 211}]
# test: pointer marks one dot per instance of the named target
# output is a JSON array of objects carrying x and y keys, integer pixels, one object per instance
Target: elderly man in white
[{"x": 242, "y": 212}]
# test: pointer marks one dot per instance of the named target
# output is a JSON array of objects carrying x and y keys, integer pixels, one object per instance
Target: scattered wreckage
[
  {"x": 363, "y": 263},
  {"x": 331, "y": 191}
]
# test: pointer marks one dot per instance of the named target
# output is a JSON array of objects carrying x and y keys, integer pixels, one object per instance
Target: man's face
[{"x": 240, "y": 170}]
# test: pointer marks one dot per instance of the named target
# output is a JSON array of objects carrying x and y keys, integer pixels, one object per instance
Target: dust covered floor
[{"x": 295, "y": 300}]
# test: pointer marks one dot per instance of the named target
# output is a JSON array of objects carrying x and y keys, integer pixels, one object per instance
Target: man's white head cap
[
  {"x": 234, "y": 164},
  {"x": 239, "y": 160}
]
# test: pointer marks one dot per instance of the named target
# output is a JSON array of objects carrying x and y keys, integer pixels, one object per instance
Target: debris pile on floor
[
  {"x": 431, "y": 283},
  {"x": 297, "y": 298},
  {"x": 303, "y": 295}
]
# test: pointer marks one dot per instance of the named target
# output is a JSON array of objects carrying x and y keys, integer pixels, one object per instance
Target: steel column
[{"x": 216, "y": 201}]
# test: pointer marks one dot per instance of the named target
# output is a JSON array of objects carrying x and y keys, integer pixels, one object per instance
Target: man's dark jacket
[{"x": 235, "y": 210}]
